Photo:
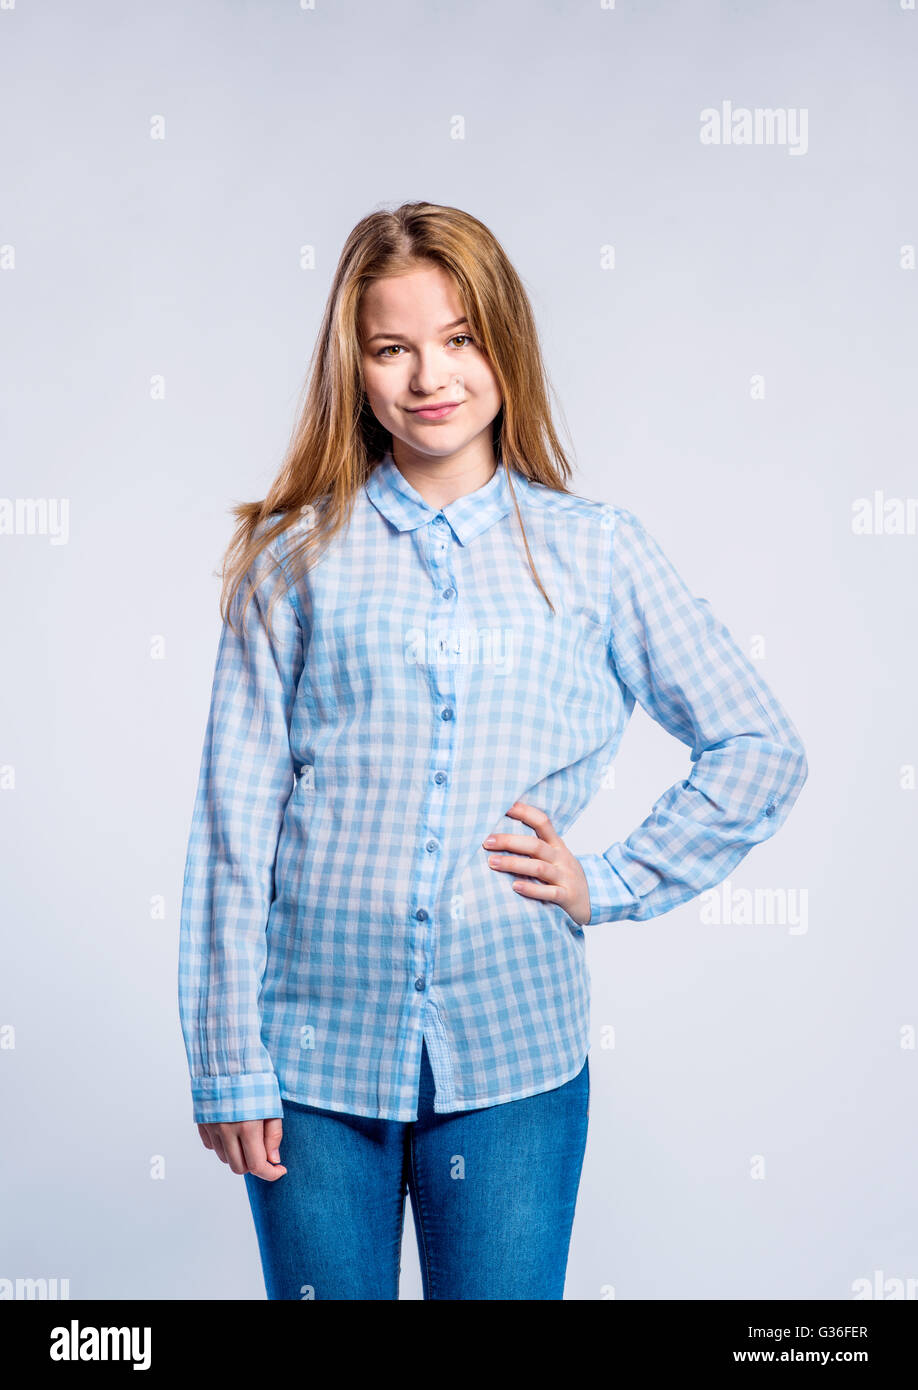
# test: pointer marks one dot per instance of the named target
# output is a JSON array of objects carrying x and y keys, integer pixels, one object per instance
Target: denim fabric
[{"x": 492, "y": 1193}]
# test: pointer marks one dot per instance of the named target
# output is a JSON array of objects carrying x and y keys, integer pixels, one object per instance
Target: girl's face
[{"x": 417, "y": 351}]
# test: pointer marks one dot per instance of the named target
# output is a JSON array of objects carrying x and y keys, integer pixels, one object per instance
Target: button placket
[{"x": 433, "y": 823}]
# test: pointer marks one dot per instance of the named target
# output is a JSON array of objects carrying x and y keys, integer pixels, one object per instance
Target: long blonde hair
[{"x": 337, "y": 440}]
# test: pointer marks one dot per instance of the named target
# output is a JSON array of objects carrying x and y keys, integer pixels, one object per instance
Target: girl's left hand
[{"x": 555, "y": 875}]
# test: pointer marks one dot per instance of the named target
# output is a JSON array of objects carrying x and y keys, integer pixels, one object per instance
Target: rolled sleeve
[{"x": 680, "y": 663}]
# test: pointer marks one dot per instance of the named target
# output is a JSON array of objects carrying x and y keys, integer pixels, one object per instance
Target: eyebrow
[{"x": 456, "y": 323}]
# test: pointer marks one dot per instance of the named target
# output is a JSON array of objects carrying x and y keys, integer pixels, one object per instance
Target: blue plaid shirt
[{"x": 337, "y": 902}]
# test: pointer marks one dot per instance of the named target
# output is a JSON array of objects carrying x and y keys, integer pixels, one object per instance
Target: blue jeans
[{"x": 492, "y": 1194}]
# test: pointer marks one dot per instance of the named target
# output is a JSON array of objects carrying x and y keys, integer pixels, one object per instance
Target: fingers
[
  {"x": 533, "y": 865},
  {"x": 543, "y": 875},
  {"x": 539, "y": 820},
  {"x": 247, "y": 1146},
  {"x": 523, "y": 844},
  {"x": 544, "y": 860},
  {"x": 254, "y": 1152},
  {"x": 546, "y": 892},
  {"x": 217, "y": 1144},
  {"x": 232, "y": 1146},
  {"x": 274, "y": 1132}
]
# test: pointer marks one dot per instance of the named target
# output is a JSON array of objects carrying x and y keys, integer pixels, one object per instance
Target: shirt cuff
[
  {"x": 611, "y": 900},
  {"x": 246, "y": 1096}
]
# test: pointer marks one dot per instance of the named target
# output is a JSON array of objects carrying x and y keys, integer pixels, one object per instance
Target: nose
[{"x": 432, "y": 374}]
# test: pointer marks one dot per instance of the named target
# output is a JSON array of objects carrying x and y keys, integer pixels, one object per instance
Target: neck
[{"x": 441, "y": 481}]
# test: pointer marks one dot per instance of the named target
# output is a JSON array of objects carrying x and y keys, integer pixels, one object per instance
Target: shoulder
[
  {"x": 268, "y": 569},
  {"x": 571, "y": 507},
  {"x": 297, "y": 525}
]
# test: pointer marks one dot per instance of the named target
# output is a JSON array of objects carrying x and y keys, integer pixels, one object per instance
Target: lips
[{"x": 436, "y": 412}]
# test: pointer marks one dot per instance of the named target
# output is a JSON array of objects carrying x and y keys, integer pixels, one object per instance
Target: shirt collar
[{"x": 392, "y": 495}]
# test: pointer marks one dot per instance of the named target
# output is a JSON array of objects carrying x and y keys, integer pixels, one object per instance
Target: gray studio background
[{"x": 752, "y": 1129}]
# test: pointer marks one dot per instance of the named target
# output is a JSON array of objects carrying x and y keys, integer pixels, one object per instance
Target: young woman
[{"x": 431, "y": 648}]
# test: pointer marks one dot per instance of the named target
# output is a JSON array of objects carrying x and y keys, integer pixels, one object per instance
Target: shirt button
[
  {"x": 431, "y": 846},
  {"x": 421, "y": 914},
  {"x": 446, "y": 713},
  {"x": 439, "y": 520},
  {"x": 770, "y": 810},
  {"x": 449, "y": 593},
  {"x": 420, "y": 982},
  {"x": 440, "y": 778}
]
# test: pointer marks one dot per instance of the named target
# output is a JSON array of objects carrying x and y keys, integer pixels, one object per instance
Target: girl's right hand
[{"x": 248, "y": 1146}]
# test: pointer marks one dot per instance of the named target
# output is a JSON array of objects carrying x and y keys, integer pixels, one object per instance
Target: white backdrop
[{"x": 730, "y": 332}]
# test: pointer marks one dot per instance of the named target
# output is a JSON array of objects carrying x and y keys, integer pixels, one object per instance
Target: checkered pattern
[{"x": 338, "y": 904}]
